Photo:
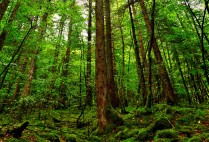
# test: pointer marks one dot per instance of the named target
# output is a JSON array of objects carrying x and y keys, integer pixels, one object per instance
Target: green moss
[
  {"x": 144, "y": 134},
  {"x": 160, "y": 124},
  {"x": 132, "y": 139},
  {"x": 70, "y": 137},
  {"x": 110, "y": 127},
  {"x": 167, "y": 133},
  {"x": 162, "y": 140},
  {"x": 94, "y": 138},
  {"x": 195, "y": 139},
  {"x": 50, "y": 136}
]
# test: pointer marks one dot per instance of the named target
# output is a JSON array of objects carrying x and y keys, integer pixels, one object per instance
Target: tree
[
  {"x": 168, "y": 90},
  {"x": 3, "y": 6},
  {"x": 88, "y": 70}
]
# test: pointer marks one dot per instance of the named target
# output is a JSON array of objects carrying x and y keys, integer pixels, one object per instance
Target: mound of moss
[{"x": 170, "y": 134}]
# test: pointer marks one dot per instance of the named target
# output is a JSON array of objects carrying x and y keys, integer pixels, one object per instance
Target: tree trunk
[
  {"x": 4, "y": 32},
  {"x": 138, "y": 60},
  {"x": 109, "y": 54},
  {"x": 3, "y": 6},
  {"x": 31, "y": 72},
  {"x": 63, "y": 85},
  {"x": 101, "y": 85},
  {"x": 88, "y": 70},
  {"x": 168, "y": 90},
  {"x": 141, "y": 45}
]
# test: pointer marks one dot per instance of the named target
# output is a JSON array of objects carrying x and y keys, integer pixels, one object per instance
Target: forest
[{"x": 104, "y": 70}]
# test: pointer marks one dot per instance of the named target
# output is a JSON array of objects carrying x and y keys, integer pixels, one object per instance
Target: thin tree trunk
[
  {"x": 141, "y": 45},
  {"x": 31, "y": 72},
  {"x": 167, "y": 86},
  {"x": 138, "y": 60},
  {"x": 5, "y": 32},
  {"x": 65, "y": 67},
  {"x": 88, "y": 70}
]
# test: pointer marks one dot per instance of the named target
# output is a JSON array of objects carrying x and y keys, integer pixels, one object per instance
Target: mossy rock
[
  {"x": 168, "y": 134},
  {"x": 195, "y": 139},
  {"x": 160, "y": 124},
  {"x": 70, "y": 137},
  {"x": 126, "y": 133},
  {"x": 144, "y": 134}
]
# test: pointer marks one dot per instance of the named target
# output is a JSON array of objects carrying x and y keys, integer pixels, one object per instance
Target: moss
[
  {"x": 132, "y": 139},
  {"x": 162, "y": 140},
  {"x": 167, "y": 133},
  {"x": 160, "y": 124},
  {"x": 110, "y": 127},
  {"x": 114, "y": 117},
  {"x": 50, "y": 136},
  {"x": 70, "y": 137},
  {"x": 143, "y": 111},
  {"x": 144, "y": 134},
  {"x": 188, "y": 130},
  {"x": 94, "y": 138},
  {"x": 195, "y": 139}
]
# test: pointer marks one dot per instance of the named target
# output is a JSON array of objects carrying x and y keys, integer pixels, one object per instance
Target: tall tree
[
  {"x": 88, "y": 70},
  {"x": 168, "y": 90},
  {"x": 109, "y": 54},
  {"x": 32, "y": 67},
  {"x": 140, "y": 71},
  {"x": 5, "y": 32}
]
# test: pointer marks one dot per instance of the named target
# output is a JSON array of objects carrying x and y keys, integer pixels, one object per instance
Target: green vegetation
[{"x": 104, "y": 70}]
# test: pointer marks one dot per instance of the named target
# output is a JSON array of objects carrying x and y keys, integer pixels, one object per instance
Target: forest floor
[{"x": 162, "y": 123}]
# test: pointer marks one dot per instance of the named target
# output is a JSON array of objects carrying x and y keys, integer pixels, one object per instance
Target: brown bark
[
  {"x": 168, "y": 90},
  {"x": 101, "y": 87},
  {"x": 88, "y": 70},
  {"x": 141, "y": 45},
  {"x": 3, "y": 6},
  {"x": 138, "y": 61},
  {"x": 31, "y": 72},
  {"x": 5, "y": 32},
  {"x": 109, "y": 54},
  {"x": 63, "y": 85}
]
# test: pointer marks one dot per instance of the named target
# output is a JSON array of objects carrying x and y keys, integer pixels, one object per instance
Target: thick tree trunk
[
  {"x": 109, "y": 54},
  {"x": 3, "y": 6},
  {"x": 101, "y": 85},
  {"x": 88, "y": 70},
  {"x": 168, "y": 90}
]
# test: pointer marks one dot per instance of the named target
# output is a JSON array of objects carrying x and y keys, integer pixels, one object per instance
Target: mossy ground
[{"x": 162, "y": 123}]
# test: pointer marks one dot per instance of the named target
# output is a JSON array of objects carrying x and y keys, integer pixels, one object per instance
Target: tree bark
[
  {"x": 88, "y": 70},
  {"x": 109, "y": 54},
  {"x": 31, "y": 72},
  {"x": 101, "y": 85},
  {"x": 5, "y": 32},
  {"x": 138, "y": 60},
  {"x": 3, "y": 6},
  {"x": 168, "y": 90}
]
